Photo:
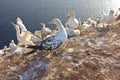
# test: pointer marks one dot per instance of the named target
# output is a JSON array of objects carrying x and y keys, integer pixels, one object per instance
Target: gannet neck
[
  {"x": 59, "y": 25},
  {"x": 43, "y": 25}
]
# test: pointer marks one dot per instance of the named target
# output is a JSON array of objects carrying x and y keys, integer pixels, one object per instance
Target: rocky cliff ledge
[{"x": 93, "y": 56}]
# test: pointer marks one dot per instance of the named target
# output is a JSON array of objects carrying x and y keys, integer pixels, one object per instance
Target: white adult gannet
[
  {"x": 23, "y": 38},
  {"x": 72, "y": 32},
  {"x": 12, "y": 45},
  {"x": 108, "y": 18},
  {"x": 45, "y": 31},
  {"x": 54, "y": 41},
  {"x": 24, "y": 29},
  {"x": 72, "y": 20}
]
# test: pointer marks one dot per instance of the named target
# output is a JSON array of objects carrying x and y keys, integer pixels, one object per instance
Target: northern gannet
[
  {"x": 54, "y": 41},
  {"x": 108, "y": 18},
  {"x": 23, "y": 38},
  {"x": 24, "y": 29},
  {"x": 72, "y": 22},
  {"x": 45, "y": 31},
  {"x": 72, "y": 32},
  {"x": 12, "y": 45}
]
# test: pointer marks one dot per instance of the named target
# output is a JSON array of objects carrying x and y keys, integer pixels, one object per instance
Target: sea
[{"x": 33, "y": 12}]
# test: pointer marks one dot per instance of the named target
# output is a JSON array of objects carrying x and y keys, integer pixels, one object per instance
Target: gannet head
[
  {"x": 19, "y": 20},
  {"x": 12, "y": 41},
  {"x": 57, "y": 21},
  {"x": 43, "y": 25},
  {"x": 71, "y": 14}
]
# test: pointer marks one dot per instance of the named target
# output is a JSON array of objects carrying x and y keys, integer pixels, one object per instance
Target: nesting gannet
[
  {"x": 45, "y": 31},
  {"x": 72, "y": 32},
  {"x": 86, "y": 24},
  {"x": 23, "y": 38},
  {"x": 12, "y": 45},
  {"x": 24, "y": 29},
  {"x": 108, "y": 18},
  {"x": 72, "y": 20},
  {"x": 54, "y": 41},
  {"x": 92, "y": 21}
]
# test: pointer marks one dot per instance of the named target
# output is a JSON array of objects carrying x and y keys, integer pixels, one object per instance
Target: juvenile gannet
[
  {"x": 54, "y": 41},
  {"x": 108, "y": 18},
  {"x": 23, "y": 39},
  {"x": 72, "y": 20},
  {"x": 45, "y": 31},
  {"x": 12, "y": 45},
  {"x": 24, "y": 29}
]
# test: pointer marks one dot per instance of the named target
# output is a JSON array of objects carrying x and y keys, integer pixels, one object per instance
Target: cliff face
[{"x": 93, "y": 56}]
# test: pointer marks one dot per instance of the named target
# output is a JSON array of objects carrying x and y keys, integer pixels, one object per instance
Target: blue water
[{"x": 35, "y": 11}]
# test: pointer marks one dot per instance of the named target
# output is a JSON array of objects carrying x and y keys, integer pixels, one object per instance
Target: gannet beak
[{"x": 13, "y": 24}]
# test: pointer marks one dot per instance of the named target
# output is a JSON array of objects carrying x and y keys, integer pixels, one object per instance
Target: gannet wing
[{"x": 50, "y": 43}]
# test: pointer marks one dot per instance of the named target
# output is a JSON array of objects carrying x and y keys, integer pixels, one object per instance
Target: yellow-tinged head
[
  {"x": 43, "y": 24},
  {"x": 71, "y": 14},
  {"x": 57, "y": 21},
  {"x": 19, "y": 20}
]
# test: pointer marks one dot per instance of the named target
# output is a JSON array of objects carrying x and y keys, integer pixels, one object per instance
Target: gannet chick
[
  {"x": 72, "y": 20},
  {"x": 54, "y": 41},
  {"x": 23, "y": 39},
  {"x": 45, "y": 31},
  {"x": 24, "y": 29},
  {"x": 108, "y": 18},
  {"x": 12, "y": 45}
]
